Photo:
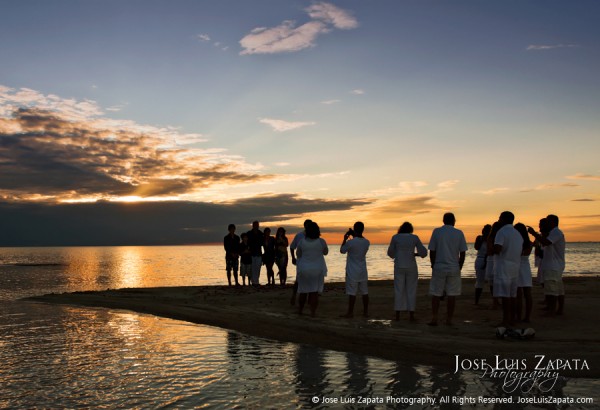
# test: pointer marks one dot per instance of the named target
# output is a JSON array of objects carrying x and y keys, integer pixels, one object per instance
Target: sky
[{"x": 160, "y": 122}]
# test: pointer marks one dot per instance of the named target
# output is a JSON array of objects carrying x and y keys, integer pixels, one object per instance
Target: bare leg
[
  {"x": 450, "y": 309},
  {"x": 478, "y": 292},
  {"x": 435, "y": 307},
  {"x": 519, "y": 305},
  {"x": 561, "y": 305},
  {"x": 294, "y": 292},
  {"x": 351, "y": 302},
  {"x": 301, "y": 302},
  {"x": 314, "y": 302},
  {"x": 528, "y": 304},
  {"x": 365, "y": 300}
]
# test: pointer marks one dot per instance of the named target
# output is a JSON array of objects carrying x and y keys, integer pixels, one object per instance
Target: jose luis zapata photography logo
[{"x": 539, "y": 373}]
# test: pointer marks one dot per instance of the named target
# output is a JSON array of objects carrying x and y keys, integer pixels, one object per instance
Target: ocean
[{"x": 72, "y": 357}]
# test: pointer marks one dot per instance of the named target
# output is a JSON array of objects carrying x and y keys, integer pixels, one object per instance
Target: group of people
[
  {"x": 503, "y": 251},
  {"x": 251, "y": 251}
]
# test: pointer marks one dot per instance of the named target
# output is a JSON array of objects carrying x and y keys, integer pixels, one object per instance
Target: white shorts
[
  {"x": 448, "y": 282},
  {"x": 553, "y": 283},
  {"x": 505, "y": 286},
  {"x": 352, "y": 287},
  {"x": 525, "y": 280}
]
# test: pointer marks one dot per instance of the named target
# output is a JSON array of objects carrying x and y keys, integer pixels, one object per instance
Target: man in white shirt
[
  {"x": 447, "y": 248},
  {"x": 356, "y": 267},
  {"x": 299, "y": 236},
  {"x": 508, "y": 246},
  {"x": 552, "y": 265}
]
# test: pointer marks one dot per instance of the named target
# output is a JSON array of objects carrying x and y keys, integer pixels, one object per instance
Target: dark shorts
[{"x": 232, "y": 264}]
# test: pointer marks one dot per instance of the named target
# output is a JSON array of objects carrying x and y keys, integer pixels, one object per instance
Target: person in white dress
[
  {"x": 481, "y": 261},
  {"x": 357, "y": 276},
  {"x": 404, "y": 247},
  {"x": 311, "y": 267}
]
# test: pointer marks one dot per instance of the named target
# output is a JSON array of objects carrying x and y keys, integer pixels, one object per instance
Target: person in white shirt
[
  {"x": 447, "y": 248},
  {"x": 295, "y": 242},
  {"x": 356, "y": 267},
  {"x": 404, "y": 247},
  {"x": 508, "y": 246},
  {"x": 552, "y": 265}
]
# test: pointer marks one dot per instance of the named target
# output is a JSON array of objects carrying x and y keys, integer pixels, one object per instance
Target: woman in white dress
[
  {"x": 481, "y": 261},
  {"x": 311, "y": 268},
  {"x": 404, "y": 247}
]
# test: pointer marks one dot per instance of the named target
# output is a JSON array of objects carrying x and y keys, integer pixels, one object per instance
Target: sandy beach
[{"x": 266, "y": 312}]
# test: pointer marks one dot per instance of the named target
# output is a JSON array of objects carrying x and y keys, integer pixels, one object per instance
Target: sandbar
[{"x": 267, "y": 312}]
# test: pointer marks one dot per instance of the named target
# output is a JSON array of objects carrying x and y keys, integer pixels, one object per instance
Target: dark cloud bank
[{"x": 146, "y": 223}]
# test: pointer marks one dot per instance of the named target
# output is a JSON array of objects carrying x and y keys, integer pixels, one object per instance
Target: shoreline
[{"x": 266, "y": 312}]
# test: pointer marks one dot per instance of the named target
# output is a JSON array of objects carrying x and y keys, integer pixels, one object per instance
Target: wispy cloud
[
  {"x": 117, "y": 107},
  {"x": 494, "y": 191},
  {"x": 287, "y": 37},
  {"x": 328, "y": 13},
  {"x": 583, "y": 200},
  {"x": 203, "y": 37},
  {"x": 585, "y": 177},
  {"x": 330, "y": 102},
  {"x": 282, "y": 125},
  {"x": 546, "y": 187},
  {"x": 448, "y": 185},
  {"x": 539, "y": 47},
  {"x": 282, "y": 164},
  {"x": 357, "y": 91},
  {"x": 402, "y": 206}
]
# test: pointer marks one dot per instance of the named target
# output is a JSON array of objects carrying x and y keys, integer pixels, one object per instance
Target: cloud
[
  {"x": 287, "y": 37},
  {"x": 330, "y": 102},
  {"x": 494, "y": 191},
  {"x": 583, "y": 200},
  {"x": 401, "y": 206},
  {"x": 538, "y": 47},
  {"x": 117, "y": 107},
  {"x": 148, "y": 223},
  {"x": 357, "y": 91},
  {"x": 585, "y": 177},
  {"x": 448, "y": 185},
  {"x": 203, "y": 37},
  {"x": 331, "y": 14},
  {"x": 65, "y": 150},
  {"x": 282, "y": 164},
  {"x": 282, "y": 125},
  {"x": 546, "y": 187}
]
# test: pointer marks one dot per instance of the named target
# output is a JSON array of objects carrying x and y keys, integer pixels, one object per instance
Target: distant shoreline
[{"x": 266, "y": 312}]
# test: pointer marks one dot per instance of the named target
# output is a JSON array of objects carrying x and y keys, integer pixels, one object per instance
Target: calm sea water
[{"x": 69, "y": 357}]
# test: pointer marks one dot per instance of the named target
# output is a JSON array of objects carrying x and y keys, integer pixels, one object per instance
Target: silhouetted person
[
  {"x": 269, "y": 255},
  {"x": 231, "y": 243},
  {"x": 447, "y": 248},
  {"x": 299, "y": 236},
  {"x": 525, "y": 281},
  {"x": 508, "y": 246},
  {"x": 245, "y": 260},
  {"x": 481, "y": 261},
  {"x": 281, "y": 255},
  {"x": 404, "y": 247},
  {"x": 357, "y": 277},
  {"x": 553, "y": 265},
  {"x": 312, "y": 268},
  {"x": 256, "y": 241}
]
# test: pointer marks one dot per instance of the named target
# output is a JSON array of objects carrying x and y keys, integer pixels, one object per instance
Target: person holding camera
[{"x": 356, "y": 267}]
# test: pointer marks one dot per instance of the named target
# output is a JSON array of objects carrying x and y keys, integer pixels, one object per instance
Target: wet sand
[{"x": 266, "y": 312}]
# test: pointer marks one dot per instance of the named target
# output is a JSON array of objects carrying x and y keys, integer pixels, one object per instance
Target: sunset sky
[{"x": 160, "y": 122}]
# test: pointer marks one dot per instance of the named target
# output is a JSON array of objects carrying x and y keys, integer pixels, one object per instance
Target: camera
[{"x": 350, "y": 232}]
